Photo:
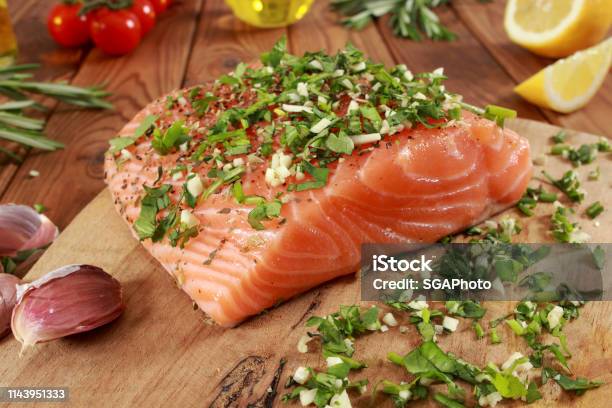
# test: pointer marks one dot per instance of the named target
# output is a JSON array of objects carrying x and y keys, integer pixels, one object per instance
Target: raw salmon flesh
[{"x": 265, "y": 183}]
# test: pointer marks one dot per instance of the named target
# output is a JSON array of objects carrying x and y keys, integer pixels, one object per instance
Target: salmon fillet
[{"x": 418, "y": 184}]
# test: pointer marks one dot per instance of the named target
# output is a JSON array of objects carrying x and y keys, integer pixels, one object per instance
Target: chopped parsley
[
  {"x": 164, "y": 141},
  {"x": 579, "y": 386},
  {"x": 338, "y": 330},
  {"x": 264, "y": 211},
  {"x": 429, "y": 364},
  {"x": 147, "y": 224},
  {"x": 119, "y": 143}
]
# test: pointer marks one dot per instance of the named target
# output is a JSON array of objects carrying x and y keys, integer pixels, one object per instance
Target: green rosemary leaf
[{"x": 409, "y": 19}]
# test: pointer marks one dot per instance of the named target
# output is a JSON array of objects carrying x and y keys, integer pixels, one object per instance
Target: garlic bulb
[
  {"x": 8, "y": 284},
  {"x": 69, "y": 300},
  {"x": 22, "y": 229}
]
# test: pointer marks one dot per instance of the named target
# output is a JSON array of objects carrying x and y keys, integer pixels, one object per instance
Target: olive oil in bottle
[
  {"x": 8, "y": 43},
  {"x": 270, "y": 13}
]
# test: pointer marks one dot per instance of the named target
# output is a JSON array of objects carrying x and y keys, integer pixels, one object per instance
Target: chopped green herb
[
  {"x": 564, "y": 230},
  {"x": 264, "y": 211},
  {"x": 499, "y": 114},
  {"x": 403, "y": 393},
  {"x": 176, "y": 135},
  {"x": 559, "y": 137},
  {"x": 338, "y": 329},
  {"x": 340, "y": 143},
  {"x": 446, "y": 401},
  {"x": 478, "y": 330},
  {"x": 119, "y": 143},
  {"x": 40, "y": 208},
  {"x": 180, "y": 237},
  {"x": 318, "y": 173},
  {"x": 170, "y": 101},
  {"x": 568, "y": 184},
  {"x": 466, "y": 308},
  {"x": 594, "y": 174},
  {"x": 579, "y": 385},
  {"x": 506, "y": 383},
  {"x": 155, "y": 200},
  {"x": 495, "y": 339},
  {"x": 146, "y": 124},
  {"x": 594, "y": 209},
  {"x": 202, "y": 105},
  {"x": 533, "y": 394}
]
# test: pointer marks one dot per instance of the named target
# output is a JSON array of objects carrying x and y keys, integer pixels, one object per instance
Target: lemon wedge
[
  {"x": 557, "y": 28},
  {"x": 570, "y": 83}
]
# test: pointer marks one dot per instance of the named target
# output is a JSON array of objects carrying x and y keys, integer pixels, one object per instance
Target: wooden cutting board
[{"x": 162, "y": 352}]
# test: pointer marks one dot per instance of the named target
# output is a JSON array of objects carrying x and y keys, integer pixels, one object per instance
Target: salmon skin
[{"x": 265, "y": 183}]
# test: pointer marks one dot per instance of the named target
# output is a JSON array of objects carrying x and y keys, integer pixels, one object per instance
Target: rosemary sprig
[
  {"x": 409, "y": 18},
  {"x": 15, "y": 125}
]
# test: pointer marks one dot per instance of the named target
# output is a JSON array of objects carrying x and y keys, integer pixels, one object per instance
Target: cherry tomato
[
  {"x": 160, "y": 5},
  {"x": 146, "y": 14},
  {"x": 66, "y": 27},
  {"x": 116, "y": 32}
]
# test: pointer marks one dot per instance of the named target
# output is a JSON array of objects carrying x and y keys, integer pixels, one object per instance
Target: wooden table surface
[{"x": 196, "y": 40}]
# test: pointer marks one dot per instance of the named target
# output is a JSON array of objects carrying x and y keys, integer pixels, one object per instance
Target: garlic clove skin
[
  {"x": 22, "y": 229},
  {"x": 69, "y": 300},
  {"x": 8, "y": 298}
]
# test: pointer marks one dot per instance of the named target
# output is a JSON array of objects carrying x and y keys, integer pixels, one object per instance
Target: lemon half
[
  {"x": 557, "y": 28},
  {"x": 570, "y": 83}
]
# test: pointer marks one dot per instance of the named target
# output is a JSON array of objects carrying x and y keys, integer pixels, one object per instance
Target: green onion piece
[
  {"x": 516, "y": 327},
  {"x": 559, "y": 137},
  {"x": 212, "y": 188},
  {"x": 499, "y": 114},
  {"x": 526, "y": 208},
  {"x": 594, "y": 174},
  {"x": 40, "y": 208},
  {"x": 558, "y": 149},
  {"x": 594, "y": 209},
  {"x": 395, "y": 358},
  {"x": 254, "y": 200},
  {"x": 547, "y": 197},
  {"x": 238, "y": 192},
  {"x": 446, "y": 401},
  {"x": 478, "y": 330},
  {"x": 145, "y": 125},
  {"x": 119, "y": 143},
  {"x": 495, "y": 339}
]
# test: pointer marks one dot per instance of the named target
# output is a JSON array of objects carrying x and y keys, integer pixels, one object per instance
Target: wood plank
[
  {"x": 70, "y": 178},
  {"x": 485, "y": 21},
  {"x": 471, "y": 70},
  {"x": 35, "y": 45},
  {"x": 319, "y": 30},
  {"x": 162, "y": 353},
  {"x": 222, "y": 41}
]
